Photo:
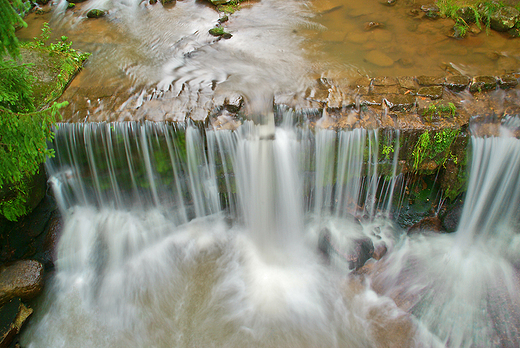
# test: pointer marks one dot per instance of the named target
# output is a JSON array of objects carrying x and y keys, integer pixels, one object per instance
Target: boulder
[
  {"x": 504, "y": 18},
  {"x": 22, "y": 279}
]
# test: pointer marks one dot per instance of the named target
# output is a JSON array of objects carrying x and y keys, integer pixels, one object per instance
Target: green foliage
[
  {"x": 440, "y": 110},
  {"x": 437, "y": 148},
  {"x": 421, "y": 149},
  {"x": 24, "y": 132},
  {"x": 387, "y": 150},
  {"x": 9, "y": 20},
  {"x": 23, "y": 147},
  {"x": 15, "y": 87},
  {"x": 482, "y": 11}
]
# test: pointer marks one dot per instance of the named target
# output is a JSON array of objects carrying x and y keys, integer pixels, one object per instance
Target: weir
[{"x": 181, "y": 237}]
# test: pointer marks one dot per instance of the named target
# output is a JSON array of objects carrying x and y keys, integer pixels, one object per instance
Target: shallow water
[{"x": 147, "y": 52}]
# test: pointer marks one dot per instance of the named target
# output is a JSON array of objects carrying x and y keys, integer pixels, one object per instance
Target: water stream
[{"x": 178, "y": 236}]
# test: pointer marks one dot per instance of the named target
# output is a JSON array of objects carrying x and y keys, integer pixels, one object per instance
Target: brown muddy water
[{"x": 145, "y": 53}]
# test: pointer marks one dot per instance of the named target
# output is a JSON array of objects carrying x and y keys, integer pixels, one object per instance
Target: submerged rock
[
  {"x": 379, "y": 58},
  {"x": 22, "y": 279}
]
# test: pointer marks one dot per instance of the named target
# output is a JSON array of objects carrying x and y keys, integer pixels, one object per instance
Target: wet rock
[
  {"x": 467, "y": 13},
  {"x": 42, "y": 2},
  {"x": 407, "y": 82},
  {"x": 76, "y": 1},
  {"x": 13, "y": 315},
  {"x": 431, "y": 11},
  {"x": 22, "y": 279},
  {"x": 432, "y": 92},
  {"x": 362, "y": 85},
  {"x": 385, "y": 89},
  {"x": 50, "y": 243},
  {"x": 428, "y": 224},
  {"x": 22, "y": 239},
  {"x": 400, "y": 102},
  {"x": 514, "y": 32},
  {"x": 361, "y": 251},
  {"x": 379, "y": 251},
  {"x": 507, "y": 81},
  {"x": 504, "y": 19},
  {"x": 220, "y": 32},
  {"x": 451, "y": 218},
  {"x": 482, "y": 83},
  {"x": 430, "y": 80},
  {"x": 167, "y": 2},
  {"x": 95, "y": 13},
  {"x": 457, "y": 83},
  {"x": 379, "y": 58},
  {"x": 384, "y": 81},
  {"x": 372, "y": 25},
  {"x": 223, "y": 19},
  {"x": 324, "y": 244}
]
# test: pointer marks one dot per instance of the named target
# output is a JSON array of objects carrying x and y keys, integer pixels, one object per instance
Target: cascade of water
[
  {"x": 493, "y": 198},
  {"x": 465, "y": 287}
]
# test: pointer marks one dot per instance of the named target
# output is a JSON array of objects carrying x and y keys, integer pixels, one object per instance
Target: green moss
[
  {"x": 435, "y": 148},
  {"x": 217, "y": 31}
]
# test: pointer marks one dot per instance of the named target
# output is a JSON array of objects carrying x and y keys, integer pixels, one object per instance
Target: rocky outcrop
[
  {"x": 13, "y": 315},
  {"x": 22, "y": 279}
]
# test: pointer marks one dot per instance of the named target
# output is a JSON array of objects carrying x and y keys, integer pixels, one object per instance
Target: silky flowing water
[{"x": 175, "y": 236}]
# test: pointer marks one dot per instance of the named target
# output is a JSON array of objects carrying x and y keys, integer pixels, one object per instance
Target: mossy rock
[
  {"x": 504, "y": 19},
  {"x": 53, "y": 73},
  {"x": 95, "y": 13}
]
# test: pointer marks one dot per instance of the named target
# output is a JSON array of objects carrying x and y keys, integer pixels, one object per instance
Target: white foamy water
[{"x": 174, "y": 238}]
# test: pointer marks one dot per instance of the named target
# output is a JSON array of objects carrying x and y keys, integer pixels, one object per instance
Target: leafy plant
[
  {"x": 421, "y": 149},
  {"x": 387, "y": 150},
  {"x": 428, "y": 148},
  {"x": 23, "y": 147},
  {"x": 24, "y": 130},
  {"x": 15, "y": 87},
  {"x": 449, "y": 110}
]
